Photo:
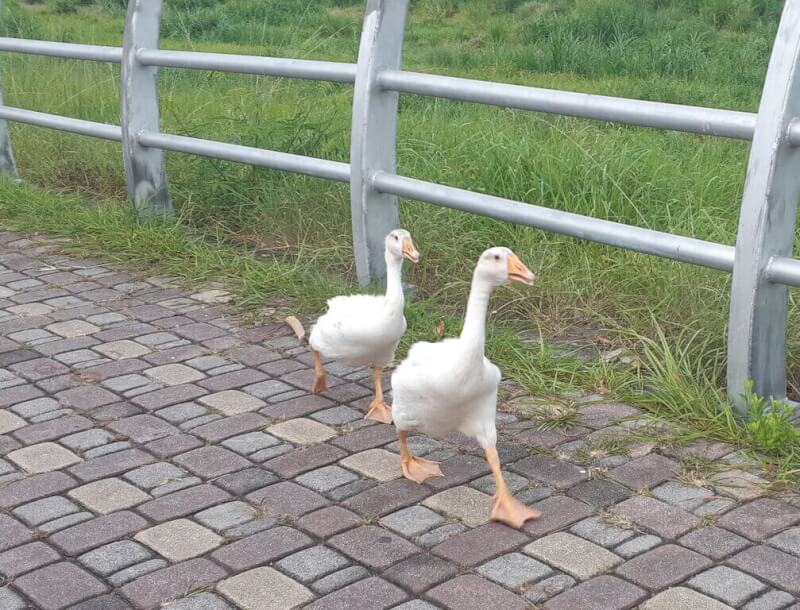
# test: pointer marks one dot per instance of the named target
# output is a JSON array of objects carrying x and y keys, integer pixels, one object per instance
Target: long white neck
[
  {"x": 394, "y": 282},
  {"x": 473, "y": 333}
]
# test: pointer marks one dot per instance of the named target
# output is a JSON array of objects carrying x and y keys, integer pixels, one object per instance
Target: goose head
[
  {"x": 498, "y": 266},
  {"x": 399, "y": 245}
]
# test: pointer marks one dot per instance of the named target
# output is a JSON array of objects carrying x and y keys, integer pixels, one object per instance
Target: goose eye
[
  {"x": 396, "y": 238},
  {"x": 497, "y": 257}
]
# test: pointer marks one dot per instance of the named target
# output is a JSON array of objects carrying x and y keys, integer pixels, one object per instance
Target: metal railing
[{"x": 760, "y": 262}]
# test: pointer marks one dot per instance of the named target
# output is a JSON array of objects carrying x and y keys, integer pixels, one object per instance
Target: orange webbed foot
[
  {"x": 511, "y": 511},
  {"x": 320, "y": 384},
  {"x": 418, "y": 469},
  {"x": 379, "y": 411}
]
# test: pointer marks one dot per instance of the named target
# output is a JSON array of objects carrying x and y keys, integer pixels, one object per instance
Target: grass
[{"x": 283, "y": 238}]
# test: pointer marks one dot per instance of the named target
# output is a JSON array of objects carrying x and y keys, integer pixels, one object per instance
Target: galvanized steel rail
[{"x": 760, "y": 261}]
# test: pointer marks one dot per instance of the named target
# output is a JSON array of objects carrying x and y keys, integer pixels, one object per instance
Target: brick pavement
[{"x": 156, "y": 451}]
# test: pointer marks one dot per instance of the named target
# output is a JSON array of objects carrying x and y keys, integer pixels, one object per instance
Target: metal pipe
[
  {"x": 62, "y": 123},
  {"x": 647, "y": 241},
  {"x": 66, "y": 50},
  {"x": 310, "y": 166},
  {"x": 783, "y": 270},
  {"x": 246, "y": 64},
  {"x": 694, "y": 119}
]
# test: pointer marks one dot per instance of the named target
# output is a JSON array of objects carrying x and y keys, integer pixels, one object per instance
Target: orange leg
[
  {"x": 320, "y": 382},
  {"x": 505, "y": 507},
  {"x": 378, "y": 409},
  {"x": 413, "y": 467}
]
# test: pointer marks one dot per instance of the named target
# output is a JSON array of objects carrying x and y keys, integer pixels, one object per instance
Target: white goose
[
  {"x": 364, "y": 330},
  {"x": 451, "y": 386}
]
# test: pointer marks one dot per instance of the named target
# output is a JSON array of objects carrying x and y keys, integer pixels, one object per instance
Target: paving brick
[
  {"x": 302, "y": 460},
  {"x": 387, "y": 497},
  {"x": 155, "y": 475},
  {"x": 84, "y": 441},
  {"x": 662, "y": 567},
  {"x": 514, "y": 570},
  {"x": 245, "y": 481},
  {"x": 230, "y": 426},
  {"x": 12, "y": 532},
  {"x": 557, "y": 513},
  {"x": 287, "y": 498},
  {"x": 136, "y": 571},
  {"x": 183, "y": 502},
  {"x": 378, "y": 464},
  {"x": 371, "y": 592},
  {"x": 33, "y": 488},
  {"x": 761, "y": 518},
  {"x": 772, "y": 600},
  {"x": 72, "y": 328},
  {"x": 168, "y": 396},
  {"x": 10, "y": 422},
  {"x": 179, "y": 539},
  {"x": 326, "y": 478},
  {"x": 549, "y": 587},
  {"x": 226, "y": 515},
  {"x": 313, "y": 563},
  {"x": 470, "y": 591},
  {"x": 250, "y": 442},
  {"x": 739, "y": 484},
  {"x": 44, "y": 510},
  {"x": 687, "y": 497},
  {"x": 173, "y": 445},
  {"x": 600, "y": 593},
  {"x": 302, "y": 431},
  {"x": 776, "y": 567},
  {"x": 464, "y": 503},
  {"x": 373, "y": 546},
  {"x": 201, "y": 601},
  {"x": 235, "y": 379},
  {"x": 261, "y": 548},
  {"x": 664, "y": 519},
  {"x": 54, "y": 429},
  {"x": 59, "y": 585},
  {"x": 96, "y": 532},
  {"x": 645, "y": 472},
  {"x": 412, "y": 521},
  {"x": 26, "y": 558},
  {"x": 13, "y": 395},
  {"x": 264, "y": 589},
  {"x": 43, "y": 457},
  {"x": 420, "y": 572},
  {"x": 339, "y": 580},
  {"x": 171, "y": 582},
  {"x": 122, "y": 349},
  {"x": 572, "y": 554},
  {"x": 366, "y": 438},
  {"x": 232, "y": 402},
  {"x": 788, "y": 541},
  {"x": 114, "y": 557},
  {"x": 714, "y": 542},
  {"x": 211, "y": 461},
  {"x": 681, "y": 598},
  {"x": 478, "y": 545},
  {"x": 601, "y": 532},
  {"x": 552, "y": 472},
  {"x": 40, "y": 368},
  {"x": 103, "y": 602},
  {"x": 143, "y": 428},
  {"x": 110, "y": 465},
  {"x": 729, "y": 585},
  {"x": 174, "y": 374},
  {"x": 328, "y": 521}
]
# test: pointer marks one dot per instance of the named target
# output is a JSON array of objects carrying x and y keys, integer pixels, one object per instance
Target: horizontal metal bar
[
  {"x": 310, "y": 166},
  {"x": 648, "y": 241},
  {"x": 66, "y": 50},
  {"x": 62, "y": 123},
  {"x": 783, "y": 270},
  {"x": 250, "y": 64},
  {"x": 694, "y": 119}
]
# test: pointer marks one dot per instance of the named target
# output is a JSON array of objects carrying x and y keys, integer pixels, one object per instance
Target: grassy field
[{"x": 708, "y": 52}]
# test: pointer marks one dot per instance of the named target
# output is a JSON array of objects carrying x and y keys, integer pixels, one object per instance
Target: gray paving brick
[
  {"x": 514, "y": 570},
  {"x": 599, "y": 593},
  {"x": 10, "y": 600},
  {"x": 664, "y": 566},
  {"x": 549, "y": 587},
  {"x": 59, "y": 585},
  {"x": 772, "y": 600},
  {"x": 226, "y": 515},
  {"x": 339, "y": 580},
  {"x": 371, "y": 593},
  {"x": 26, "y": 558},
  {"x": 250, "y": 442},
  {"x": 729, "y": 585},
  {"x": 115, "y": 557},
  {"x": 773, "y": 566},
  {"x": 312, "y": 564},
  {"x": 637, "y": 545},
  {"x": 788, "y": 541},
  {"x": 714, "y": 542},
  {"x": 601, "y": 532},
  {"x": 326, "y": 478},
  {"x": 46, "y": 509},
  {"x": 138, "y": 570},
  {"x": 760, "y": 518}
]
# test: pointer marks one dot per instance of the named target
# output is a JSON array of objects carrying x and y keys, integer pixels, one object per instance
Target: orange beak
[
  {"x": 517, "y": 272},
  {"x": 409, "y": 251}
]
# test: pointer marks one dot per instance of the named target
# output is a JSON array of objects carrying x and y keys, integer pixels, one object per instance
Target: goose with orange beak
[
  {"x": 364, "y": 330},
  {"x": 451, "y": 386}
]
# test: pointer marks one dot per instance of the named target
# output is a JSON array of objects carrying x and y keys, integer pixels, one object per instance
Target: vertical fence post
[
  {"x": 7, "y": 165},
  {"x": 144, "y": 167},
  {"x": 758, "y": 314},
  {"x": 374, "y": 135}
]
